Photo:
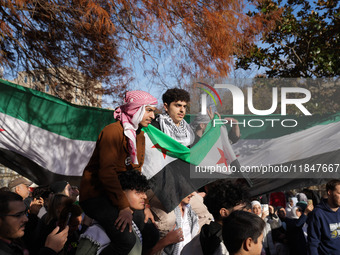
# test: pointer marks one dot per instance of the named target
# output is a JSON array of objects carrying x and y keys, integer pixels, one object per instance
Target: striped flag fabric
[
  {"x": 176, "y": 171},
  {"x": 47, "y": 139},
  {"x": 279, "y": 158}
]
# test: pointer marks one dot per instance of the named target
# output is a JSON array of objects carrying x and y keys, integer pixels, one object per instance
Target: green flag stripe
[
  {"x": 51, "y": 113},
  {"x": 85, "y": 123},
  {"x": 174, "y": 149}
]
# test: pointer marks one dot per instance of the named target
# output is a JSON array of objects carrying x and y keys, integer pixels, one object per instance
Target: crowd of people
[{"x": 115, "y": 212}]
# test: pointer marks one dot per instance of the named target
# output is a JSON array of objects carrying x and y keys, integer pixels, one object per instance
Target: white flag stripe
[
  {"x": 310, "y": 142},
  {"x": 154, "y": 159},
  {"x": 56, "y": 153}
]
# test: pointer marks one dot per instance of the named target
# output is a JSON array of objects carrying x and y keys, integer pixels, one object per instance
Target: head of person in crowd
[
  {"x": 243, "y": 233},
  {"x": 134, "y": 185},
  {"x": 61, "y": 187},
  {"x": 333, "y": 193},
  {"x": 281, "y": 212},
  {"x": 75, "y": 193},
  {"x": 224, "y": 197},
  {"x": 302, "y": 205},
  {"x": 175, "y": 103},
  {"x": 256, "y": 208},
  {"x": 301, "y": 197},
  {"x": 296, "y": 212},
  {"x": 186, "y": 200},
  {"x": 247, "y": 206},
  {"x": 137, "y": 111},
  {"x": 13, "y": 215},
  {"x": 292, "y": 201},
  {"x": 20, "y": 186},
  {"x": 56, "y": 205},
  {"x": 200, "y": 123},
  {"x": 70, "y": 215},
  {"x": 43, "y": 192}
]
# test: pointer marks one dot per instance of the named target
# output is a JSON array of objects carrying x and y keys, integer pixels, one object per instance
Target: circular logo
[
  {"x": 128, "y": 161},
  {"x": 334, "y": 234}
]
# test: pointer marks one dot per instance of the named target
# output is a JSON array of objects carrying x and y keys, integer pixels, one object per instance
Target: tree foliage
[
  {"x": 105, "y": 39},
  {"x": 305, "y": 43}
]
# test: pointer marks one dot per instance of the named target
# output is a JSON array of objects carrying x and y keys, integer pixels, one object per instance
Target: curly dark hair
[
  {"x": 69, "y": 207},
  {"x": 133, "y": 180},
  {"x": 42, "y": 191},
  {"x": 174, "y": 95},
  {"x": 224, "y": 194}
]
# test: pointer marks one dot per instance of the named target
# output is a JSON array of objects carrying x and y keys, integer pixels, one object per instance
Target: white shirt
[{"x": 186, "y": 231}]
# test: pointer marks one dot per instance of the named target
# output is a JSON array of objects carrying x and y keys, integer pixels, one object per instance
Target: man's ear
[
  {"x": 165, "y": 105},
  {"x": 224, "y": 212},
  {"x": 247, "y": 244},
  {"x": 329, "y": 193}
]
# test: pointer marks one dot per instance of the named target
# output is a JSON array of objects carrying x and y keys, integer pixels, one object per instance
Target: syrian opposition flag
[
  {"x": 176, "y": 171},
  {"x": 45, "y": 138},
  {"x": 280, "y": 158}
]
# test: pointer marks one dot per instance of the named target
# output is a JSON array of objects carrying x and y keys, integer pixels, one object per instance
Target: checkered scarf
[
  {"x": 182, "y": 133},
  {"x": 193, "y": 222},
  {"x": 137, "y": 231},
  {"x": 131, "y": 114}
]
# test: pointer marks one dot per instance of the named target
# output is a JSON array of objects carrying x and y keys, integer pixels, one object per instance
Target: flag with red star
[
  {"x": 47, "y": 139},
  {"x": 176, "y": 171}
]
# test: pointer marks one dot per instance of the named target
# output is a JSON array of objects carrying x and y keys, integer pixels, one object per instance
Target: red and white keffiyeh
[{"x": 131, "y": 114}]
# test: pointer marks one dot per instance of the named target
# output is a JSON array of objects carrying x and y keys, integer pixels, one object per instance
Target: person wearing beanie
[
  {"x": 120, "y": 147},
  {"x": 61, "y": 187}
]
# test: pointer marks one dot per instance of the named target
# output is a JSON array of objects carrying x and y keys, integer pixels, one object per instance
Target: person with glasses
[
  {"x": 20, "y": 186},
  {"x": 13, "y": 219}
]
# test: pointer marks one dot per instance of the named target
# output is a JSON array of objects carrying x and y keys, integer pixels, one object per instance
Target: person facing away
[
  {"x": 295, "y": 236},
  {"x": 243, "y": 233},
  {"x": 13, "y": 218},
  {"x": 324, "y": 223},
  {"x": 120, "y": 147},
  {"x": 71, "y": 216}
]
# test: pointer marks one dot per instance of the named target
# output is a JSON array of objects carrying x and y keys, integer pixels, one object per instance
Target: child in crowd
[{"x": 243, "y": 233}]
